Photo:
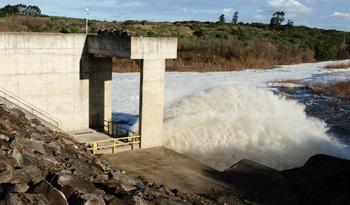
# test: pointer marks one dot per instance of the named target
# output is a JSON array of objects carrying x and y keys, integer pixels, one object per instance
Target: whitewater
[{"x": 221, "y": 118}]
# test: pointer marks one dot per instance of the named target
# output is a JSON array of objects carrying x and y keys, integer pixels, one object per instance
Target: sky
[{"x": 329, "y": 14}]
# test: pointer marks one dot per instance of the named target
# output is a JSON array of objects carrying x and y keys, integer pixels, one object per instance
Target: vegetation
[
  {"x": 20, "y": 9},
  {"x": 338, "y": 66},
  {"x": 339, "y": 89},
  {"x": 207, "y": 46},
  {"x": 235, "y": 17}
]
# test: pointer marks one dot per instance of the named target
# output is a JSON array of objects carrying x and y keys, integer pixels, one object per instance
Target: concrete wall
[
  {"x": 154, "y": 52},
  {"x": 152, "y": 102},
  {"x": 100, "y": 91},
  {"x": 153, "y": 48},
  {"x": 55, "y": 73},
  {"x": 44, "y": 69}
]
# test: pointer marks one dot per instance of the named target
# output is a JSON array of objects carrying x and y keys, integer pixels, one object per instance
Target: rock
[
  {"x": 54, "y": 196},
  {"x": 21, "y": 176},
  {"x": 261, "y": 182},
  {"x": 112, "y": 200},
  {"x": 4, "y": 163},
  {"x": 37, "y": 146},
  {"x": 34, "y": 173},
  {"x": 137, "y": 200},
  {"x": 25, "y": 199},
  {"x": 113, "y": 187},
  {"x": 64, "y": 179},
  {"x": 82, "y": 168},
  {"x": 19, "y": 188},
  {"x": 3, "y": 137},
  {"x": 167, "y": 202},
  {"x": 12, "y": 199},
  {"x": 124, "y": 178},
  {"x": 42, "y": 128},
  {"x": 91, "y": 199},
  {"x": 55, "y": 147},
  {"x": 17, "y": 156},
  {"x": 101, "y": 177},
  {"x": 13, "y": 177},
  {"x": 29, "y": 145},
  {"x": 322, "y": 180},
  {"x": 71, "y": 185},
  {"x": 17, "y": 113}
]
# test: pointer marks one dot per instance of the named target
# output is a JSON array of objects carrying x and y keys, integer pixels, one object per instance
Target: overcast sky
[{"x": 333, "y": 14}]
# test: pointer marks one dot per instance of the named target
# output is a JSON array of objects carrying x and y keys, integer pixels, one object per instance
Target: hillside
[{"x": 208, "y": 46}]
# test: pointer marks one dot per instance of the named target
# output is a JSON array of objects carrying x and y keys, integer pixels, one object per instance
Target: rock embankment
[{"x": 40, "y": 166}]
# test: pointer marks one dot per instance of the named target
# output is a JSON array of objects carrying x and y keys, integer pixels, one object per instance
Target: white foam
[{"x": 223, "y": 125}]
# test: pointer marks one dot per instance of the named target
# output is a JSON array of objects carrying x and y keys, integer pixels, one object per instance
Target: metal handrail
[
  {"x": 116, "y": 142},
  {"x": 109, "y": 127},
  {"x": 30, "y": 108}
]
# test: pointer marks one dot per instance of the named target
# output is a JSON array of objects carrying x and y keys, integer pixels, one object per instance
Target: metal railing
[
  {"x": 115, "y": 129},
  {"x": 114, "y": 143},
  {"x": 29, "y": 108}
]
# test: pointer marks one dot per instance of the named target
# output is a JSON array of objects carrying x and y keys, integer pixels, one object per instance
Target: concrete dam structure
[{"x": 66, "y": 78}]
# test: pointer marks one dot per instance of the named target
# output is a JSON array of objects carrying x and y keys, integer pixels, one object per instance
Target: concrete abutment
[{"x": 69, "y": 77}]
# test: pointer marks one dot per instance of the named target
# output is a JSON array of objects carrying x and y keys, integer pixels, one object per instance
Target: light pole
[{"x": 87, "y": 13}]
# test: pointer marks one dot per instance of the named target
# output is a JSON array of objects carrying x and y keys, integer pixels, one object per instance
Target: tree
[
  {"x": 235, "y": 17},
  {"x": 277, "y": 19},
  {"x": 9, "y": 10},
  {"x": 33, "y": 11},
  {"x": 20, "y": 9},
  {"x": 290, "y": 23},
  {"x": 222, "y": 19}
]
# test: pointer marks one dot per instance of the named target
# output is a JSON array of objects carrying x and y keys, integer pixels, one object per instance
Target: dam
[{"x": 65, "y": 79}]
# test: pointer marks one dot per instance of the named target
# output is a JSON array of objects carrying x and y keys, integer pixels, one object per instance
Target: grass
[{"x": 338, "y": 66}]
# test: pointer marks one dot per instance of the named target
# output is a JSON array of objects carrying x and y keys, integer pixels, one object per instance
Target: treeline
[
  {"x": 209, "y": 46},
  {"x": 20, "y": 9}
]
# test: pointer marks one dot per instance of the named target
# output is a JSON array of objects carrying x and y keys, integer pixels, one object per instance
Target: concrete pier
[{"x": 68, "y": 77}]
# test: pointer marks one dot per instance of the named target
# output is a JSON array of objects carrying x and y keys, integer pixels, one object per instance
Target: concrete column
[
  {"x": 100, "y": 92},
  {"x": 152, "y": 102}
]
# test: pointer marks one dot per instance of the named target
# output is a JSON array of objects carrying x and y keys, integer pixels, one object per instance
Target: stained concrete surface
[{"x": 164, "y": 166}]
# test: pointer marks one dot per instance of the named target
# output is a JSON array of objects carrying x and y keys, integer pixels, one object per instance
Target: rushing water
[
  {"x": 223, "y": 125},
  {"x": 334, "y": 111}
]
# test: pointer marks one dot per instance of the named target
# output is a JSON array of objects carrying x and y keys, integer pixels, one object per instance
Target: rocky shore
[{"x": 41, "y": 166}]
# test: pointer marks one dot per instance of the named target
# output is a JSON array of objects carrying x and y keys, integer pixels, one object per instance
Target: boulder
[
  {"x": 112, "y": 200},
  {"x": 5, "y": 163},
  {"x": 42, "y": 129},
  {"x": 24, "y": 199},
  {"x": 258, "y": 181},
  {"x": 123, "y": 178},
  {"x": 4, "y": 137},
  {"x": 137, "y": 200},
  {"x": 322, "y": 180},
  {"x": 73, "y": 185},
  {"x": 19, "y": 188},
  {"x": 54, "y": 196},
  {"x": 21, "y": 176},
  {"x": 91, "y": 199},
  {"x": 17, "y": 156},
  {"x": 114, "y": 187}
]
